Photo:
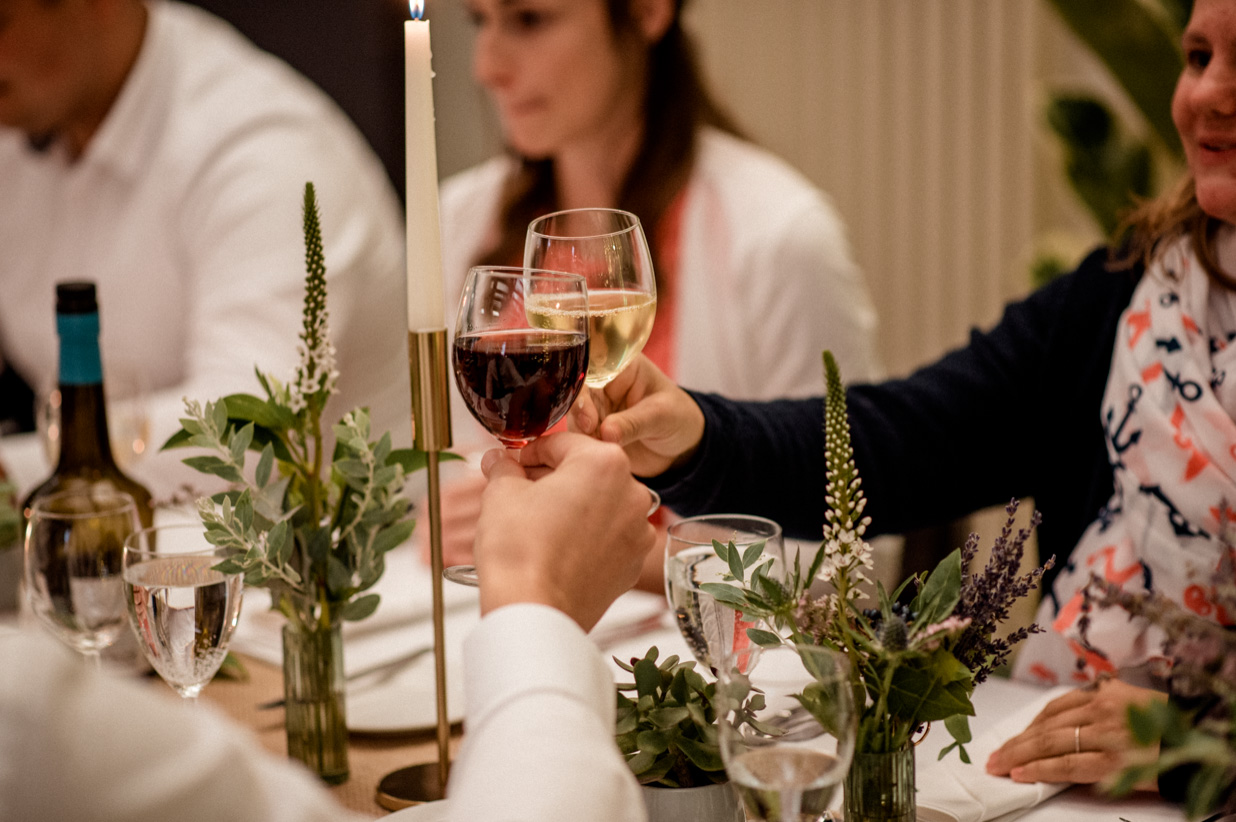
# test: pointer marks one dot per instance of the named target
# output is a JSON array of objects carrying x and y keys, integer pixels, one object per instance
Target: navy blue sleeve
[{"x": 1014, "y": 413}]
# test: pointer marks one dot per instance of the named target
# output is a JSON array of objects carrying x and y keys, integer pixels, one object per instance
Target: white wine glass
[
  {"x": 73, "y": 564},
  {"x": 787, "y": 727},
  {"x": 183, "y": 603},
  {"x": 519, "y": 354},
  {"x": 712, "y": 629},
  {"x": 608, "y": 248}
]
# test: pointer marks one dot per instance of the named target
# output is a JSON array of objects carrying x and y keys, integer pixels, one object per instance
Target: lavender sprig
[{"x": 987, "y": 598}]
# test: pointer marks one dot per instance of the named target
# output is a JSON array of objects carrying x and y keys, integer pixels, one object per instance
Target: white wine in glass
[
  {"x": 712, "y": 629},
  {"x": 181, "y": 606},
  {"x": 608, "y": 248},
  {"x": 787, "y": 726},
  {"x": 74, "y": 543}
]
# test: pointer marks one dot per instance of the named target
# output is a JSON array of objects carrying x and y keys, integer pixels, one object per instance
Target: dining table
[{"x": 391, "y": 716}]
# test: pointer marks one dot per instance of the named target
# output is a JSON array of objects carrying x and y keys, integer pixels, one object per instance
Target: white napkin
[
  {"x": 406, "y": 593},
  {"x": 967, "y": 793}
]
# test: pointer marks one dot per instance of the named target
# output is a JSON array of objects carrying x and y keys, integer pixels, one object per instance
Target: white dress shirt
[
  {"x": 80, "y": 746},
  {"x": 539, "y": 742},
  {"x": 185, "y": 208},
  {"x": 77, "y": 744}
]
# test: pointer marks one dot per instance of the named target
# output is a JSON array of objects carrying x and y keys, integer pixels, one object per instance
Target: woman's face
[
  {"x": 557, "y": 72},
  {"x": 1204, "y": 106}
]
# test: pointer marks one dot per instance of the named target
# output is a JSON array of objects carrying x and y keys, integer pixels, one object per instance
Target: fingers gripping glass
[{"x": 519, "y": 355}]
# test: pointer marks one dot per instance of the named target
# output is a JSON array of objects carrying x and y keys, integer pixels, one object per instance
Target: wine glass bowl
[
  {"x": 182, "y": 605},
  {"x": 608, "y": 248},
  {"x": 520, "y": 354},
  {"x": 787, "y": 725},
  {"x": 517, "y": 372},
  {"x": 73, "y": 562},
  {"x": 712, "y": 629}
]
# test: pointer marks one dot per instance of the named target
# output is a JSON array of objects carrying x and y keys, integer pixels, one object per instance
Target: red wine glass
[{"x": 520, "y": 354}]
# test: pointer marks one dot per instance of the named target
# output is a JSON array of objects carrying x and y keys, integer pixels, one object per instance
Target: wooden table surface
[{"x": 370, "y": 756}]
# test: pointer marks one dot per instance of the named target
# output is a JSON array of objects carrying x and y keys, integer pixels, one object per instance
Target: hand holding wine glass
[
  {"x": 787, "y": 727},
  {"x": 608, "y": 248},
  {"x": 183, "y": 603},
  {"x": 520, "y": 354},
  {"x": 74, "y": 544}
]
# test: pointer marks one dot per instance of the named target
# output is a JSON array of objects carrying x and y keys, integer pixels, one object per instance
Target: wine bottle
[{"x": 86, "y": 459}]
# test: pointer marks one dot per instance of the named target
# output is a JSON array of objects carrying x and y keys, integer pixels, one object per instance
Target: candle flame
[{"x": 417, "y": 7}]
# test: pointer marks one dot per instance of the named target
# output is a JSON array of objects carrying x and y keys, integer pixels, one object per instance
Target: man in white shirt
[
  {"x": 149, "y": 147},
  {"x": 553, "y": 550}
]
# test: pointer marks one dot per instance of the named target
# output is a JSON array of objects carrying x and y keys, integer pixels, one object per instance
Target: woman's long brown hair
[
  {"x": 676, "y": 105},
  {"x": 1156, "y": 222}
]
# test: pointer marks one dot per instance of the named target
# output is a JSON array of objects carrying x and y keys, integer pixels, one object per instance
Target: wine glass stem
[{"x": 95, "y": 657}]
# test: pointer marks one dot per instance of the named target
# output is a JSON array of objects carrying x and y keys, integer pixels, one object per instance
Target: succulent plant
[{"x": 668, "y": 731}]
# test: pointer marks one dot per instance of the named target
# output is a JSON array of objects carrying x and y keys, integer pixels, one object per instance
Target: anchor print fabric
[{"x": 1168, "y": 415}]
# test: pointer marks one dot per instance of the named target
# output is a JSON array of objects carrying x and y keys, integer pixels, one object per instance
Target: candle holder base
[{"x": 413, "y": 785}]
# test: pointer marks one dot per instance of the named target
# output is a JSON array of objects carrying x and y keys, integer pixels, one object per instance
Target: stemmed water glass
[
  {"x": 182, "y": 605},
  {"x": 712, "y": 629},
  {"x": 787, "y": 726},
  {"x": 74, "y": 542},
  {"x": 608, "y": 248},
  {"x": 520, "y": 354}
]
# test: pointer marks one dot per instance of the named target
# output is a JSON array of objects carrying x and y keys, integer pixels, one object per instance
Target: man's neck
[{"x": 123, "y": 44}]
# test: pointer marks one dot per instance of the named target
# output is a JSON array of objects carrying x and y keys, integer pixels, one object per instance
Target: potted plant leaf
[{"x": 666, "y": 727}]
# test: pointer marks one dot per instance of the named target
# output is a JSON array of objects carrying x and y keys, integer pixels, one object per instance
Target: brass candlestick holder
[{"x": 431, "y": 431}]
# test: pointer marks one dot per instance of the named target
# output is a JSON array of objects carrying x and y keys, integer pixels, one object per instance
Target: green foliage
[
  {"x": 904, "y": 667},
  {"x": 10, "y": 517},
  {"x": 667, "y": 727},
  {"x": 313, "y": 529},
  {"x": 1110, "y": 165}
]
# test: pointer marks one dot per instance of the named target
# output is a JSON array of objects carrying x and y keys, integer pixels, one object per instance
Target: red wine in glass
[{"x": 519, "y": 382}]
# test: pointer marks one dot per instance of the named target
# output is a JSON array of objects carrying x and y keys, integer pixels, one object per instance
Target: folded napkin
[{"x": 953, "y": 790}]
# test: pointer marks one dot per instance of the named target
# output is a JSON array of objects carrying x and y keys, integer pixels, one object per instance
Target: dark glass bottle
[{"x": 85, "y": 448}]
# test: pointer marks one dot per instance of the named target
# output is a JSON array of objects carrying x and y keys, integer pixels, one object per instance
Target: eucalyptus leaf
[
  {"x": 765, "y": 639},
  {"x": 752, "y": 554},
  {"x": 736, "y": 565},
  {"x": 361, "y": 607},
  {"x": 394, "y": 535},
  {"x": 724, "y": 592},
  {"x": 266, "y": 462}
]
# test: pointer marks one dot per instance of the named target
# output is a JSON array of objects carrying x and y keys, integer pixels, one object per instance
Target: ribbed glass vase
[
  {"x": 313, "y": 688},
  {"x": 880, "y": 787}
]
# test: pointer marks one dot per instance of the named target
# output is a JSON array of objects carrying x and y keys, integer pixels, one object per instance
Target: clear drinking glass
[
  {"x": 74, "y": 545},
  {"x": 714, "y": 630},
  {"x": 519, "y": 355},
  {"x": 182, "y": 608},
  {"x": 787, "y": 728},
  {"x": 608, "y": 248}
]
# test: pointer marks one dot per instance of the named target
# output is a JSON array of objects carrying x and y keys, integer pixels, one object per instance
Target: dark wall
[{"x": 352, "y": 49}]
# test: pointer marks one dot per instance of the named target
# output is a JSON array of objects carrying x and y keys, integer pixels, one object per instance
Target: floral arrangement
[
  {"x": 310, "y": 524},
  {"x": 1197, "y": 727},
  {"x": 913, "y": 664},
  {"x": 667, "y": 729}
]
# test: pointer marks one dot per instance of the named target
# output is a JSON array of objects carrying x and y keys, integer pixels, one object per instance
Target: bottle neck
[{"x": 83, "y": 413}]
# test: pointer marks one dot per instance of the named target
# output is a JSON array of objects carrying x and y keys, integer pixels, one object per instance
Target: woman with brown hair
[
  {"x": 602, "y": 105},
  {"x": 1109, "y": 396}
]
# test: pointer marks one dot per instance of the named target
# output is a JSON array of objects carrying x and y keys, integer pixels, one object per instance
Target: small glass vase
[
  {"x": 880, "y": 787},
  {"x": 313, "y": 689}
]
